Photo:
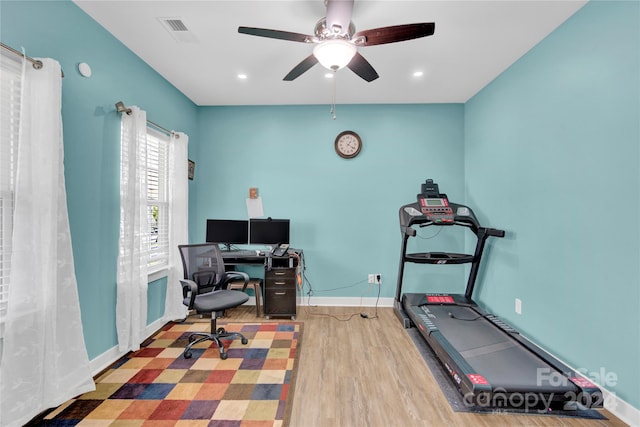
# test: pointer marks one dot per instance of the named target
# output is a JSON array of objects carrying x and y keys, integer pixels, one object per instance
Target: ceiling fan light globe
[{"x": 334, "y": 54}]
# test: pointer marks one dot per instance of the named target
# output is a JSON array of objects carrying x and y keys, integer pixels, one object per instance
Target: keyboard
[{"x": 239, "y": 253}]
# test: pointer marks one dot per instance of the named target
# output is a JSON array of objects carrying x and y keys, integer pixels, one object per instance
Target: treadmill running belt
[
  {"x": 486, "y": 349},
  {"x": 493, "y": 353}
]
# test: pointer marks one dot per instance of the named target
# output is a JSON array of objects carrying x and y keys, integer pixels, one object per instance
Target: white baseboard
[
  {"x": 621, "y": 409},
  {"x": 103, "y": 361},
  {"x": 345, "y": 301}
]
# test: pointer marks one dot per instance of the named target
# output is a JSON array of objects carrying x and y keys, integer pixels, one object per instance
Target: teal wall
[
  {"x": 344, "y": 213},
  {"x": 542, "y": 152},
  {"x": 552, "y": 156},
  {"x": 60, "y": 30}
]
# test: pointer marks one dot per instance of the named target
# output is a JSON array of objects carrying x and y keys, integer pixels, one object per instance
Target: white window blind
[
  {"x": 157, "y": 199},
  {"x": 10, "y": 83}
]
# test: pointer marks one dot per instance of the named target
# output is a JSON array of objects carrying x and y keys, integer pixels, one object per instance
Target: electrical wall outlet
[
  {"x": 374, "y": 278},
  {"x": 518, "y": 306}
]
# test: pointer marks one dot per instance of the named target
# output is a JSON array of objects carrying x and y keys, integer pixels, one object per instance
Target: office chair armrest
[
  {"x": 189, "y": 290},
  {"x": 232, "y": 276}
]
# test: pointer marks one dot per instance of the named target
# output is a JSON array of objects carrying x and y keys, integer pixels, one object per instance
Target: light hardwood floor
[{"x": 368, "y": 373}]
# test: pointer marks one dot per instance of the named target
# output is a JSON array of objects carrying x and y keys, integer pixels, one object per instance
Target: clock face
[{"x": 348, "y": 144}]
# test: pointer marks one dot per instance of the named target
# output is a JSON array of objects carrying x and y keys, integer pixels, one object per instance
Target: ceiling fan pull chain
[{"x": 333, "y": 96}]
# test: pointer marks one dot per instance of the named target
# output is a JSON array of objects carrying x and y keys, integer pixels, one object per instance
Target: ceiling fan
[{"x": 337, "y": 41}]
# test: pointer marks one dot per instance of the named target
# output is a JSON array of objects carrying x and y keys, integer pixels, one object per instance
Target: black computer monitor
[
  {"x": 228, "y": 231},
  {"x": 268, "y": 231}
]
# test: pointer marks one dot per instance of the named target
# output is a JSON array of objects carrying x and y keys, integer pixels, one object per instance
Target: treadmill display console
[
  {"x": 440, "y": 299},
  {"x": 436, "y": 210}
]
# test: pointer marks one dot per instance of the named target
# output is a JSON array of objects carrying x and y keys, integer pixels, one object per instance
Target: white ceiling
[{"x": 474, "y": 42}]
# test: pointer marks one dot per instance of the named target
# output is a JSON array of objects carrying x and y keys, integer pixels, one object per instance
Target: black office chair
[{"x": 204, "y": 290}]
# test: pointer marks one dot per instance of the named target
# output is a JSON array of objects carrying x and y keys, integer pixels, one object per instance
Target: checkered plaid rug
[{"x": 156, "y": 386}]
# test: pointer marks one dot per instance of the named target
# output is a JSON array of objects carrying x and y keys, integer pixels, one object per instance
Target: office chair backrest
[{"x": 203, "y": 264}]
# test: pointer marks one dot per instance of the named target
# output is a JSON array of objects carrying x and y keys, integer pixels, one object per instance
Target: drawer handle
[
  {"x": 279, "y": 273},
  {"x": 279, "y": 293},
  {"x": 279, "y": 283}
]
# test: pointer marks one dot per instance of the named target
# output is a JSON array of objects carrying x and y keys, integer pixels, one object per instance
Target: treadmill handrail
[{"x": 464, "y": 216}]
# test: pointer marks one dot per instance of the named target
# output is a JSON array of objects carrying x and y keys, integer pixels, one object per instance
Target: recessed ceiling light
[
  {"x": 242, "y": 76},
  {"x": 418, "y": 74}
]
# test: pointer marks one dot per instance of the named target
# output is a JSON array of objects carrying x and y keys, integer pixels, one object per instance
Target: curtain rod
[
  {"x": 120, "y": 108},
  {"x": 37, "y": 64}
]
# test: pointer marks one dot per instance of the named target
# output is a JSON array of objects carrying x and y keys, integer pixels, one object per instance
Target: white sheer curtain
[
  {"x": 178, "y": 227},
  {"x": 44, "y": 358},
  {"x": 131, "y": 303}
]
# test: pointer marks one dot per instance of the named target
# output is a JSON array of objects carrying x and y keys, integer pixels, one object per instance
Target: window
[
  {"x": 157, "y": 199},
  {"x": 10, "y": 84}
]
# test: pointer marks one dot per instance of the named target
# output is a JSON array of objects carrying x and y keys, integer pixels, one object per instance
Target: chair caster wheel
[
  {"x": 224, "y": 356},
  {"x": 187, "y": 355},
  {"x": 221, "y": 331},
  {"x": 192, "y": 338},
  {"x": 244, "y": 341}
]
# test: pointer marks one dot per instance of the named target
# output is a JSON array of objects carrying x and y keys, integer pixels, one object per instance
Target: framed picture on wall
[{"x": 192, "y": 169}]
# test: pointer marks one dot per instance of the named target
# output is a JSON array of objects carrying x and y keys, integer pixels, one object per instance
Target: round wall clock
[{"x": 348, "y": 144}]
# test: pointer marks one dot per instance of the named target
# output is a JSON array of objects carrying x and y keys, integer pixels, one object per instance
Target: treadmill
[{"x": 488, "y": 361}]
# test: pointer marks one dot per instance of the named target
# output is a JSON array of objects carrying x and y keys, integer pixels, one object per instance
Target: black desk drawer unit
[{"x": 280, "y": 292}]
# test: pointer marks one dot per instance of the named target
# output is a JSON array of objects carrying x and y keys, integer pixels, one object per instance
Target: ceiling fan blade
[
  {"x": 362, "y": 68},
  {"x": 303, "y": 66},
  {"x": 393, "y": 34},
  {"x": 339, "y": 15},
  {"x": 276, "y": 34}
]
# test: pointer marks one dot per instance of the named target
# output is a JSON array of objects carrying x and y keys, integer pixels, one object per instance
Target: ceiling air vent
[
  {"x": 178, "y": 30},
  {"x": 176, "y": 24}
]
